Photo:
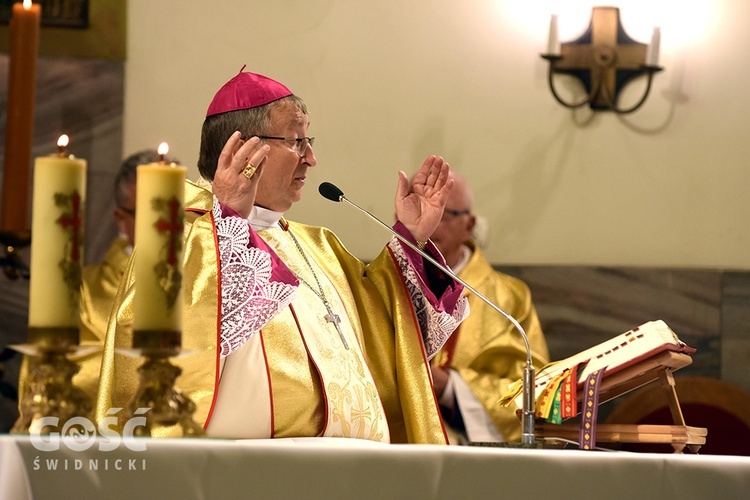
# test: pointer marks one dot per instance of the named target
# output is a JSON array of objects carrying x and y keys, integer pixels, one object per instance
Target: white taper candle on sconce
[
  {"x": 553, "y": 39},
  {"x": 652, "y": 52},
  {"x": 57, "y": 224},
  {"x": 160, "y": 199}
]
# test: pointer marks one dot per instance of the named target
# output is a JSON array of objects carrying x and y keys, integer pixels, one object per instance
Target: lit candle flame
[
  {"x": 63, "y": 141},
  {"x": 163, "y": 149},
  {"x": 26, "y": 4}
]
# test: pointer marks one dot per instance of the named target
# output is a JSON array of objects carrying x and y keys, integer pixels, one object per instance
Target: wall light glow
[{"x": 682, "y": 23}]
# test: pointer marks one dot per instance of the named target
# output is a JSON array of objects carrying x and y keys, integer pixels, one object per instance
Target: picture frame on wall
[
  {"x": 72, "y": 14},
  {"x": 75, "y": 28}
]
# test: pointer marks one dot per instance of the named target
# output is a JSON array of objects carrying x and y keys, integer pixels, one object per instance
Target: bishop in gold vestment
[{"x": 294, "y": 335}]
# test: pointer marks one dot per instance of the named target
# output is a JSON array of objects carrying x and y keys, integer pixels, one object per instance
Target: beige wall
[{"x": 389, "y": 82}]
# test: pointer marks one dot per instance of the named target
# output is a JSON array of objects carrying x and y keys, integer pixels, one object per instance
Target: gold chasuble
[
  {"x": 98, "y": 291},
  {"x": 353, "y": 365},
  {"x": 487, "y": 351}
]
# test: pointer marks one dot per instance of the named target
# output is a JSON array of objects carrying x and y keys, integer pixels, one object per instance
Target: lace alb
[{"x": 249, "y": 299}]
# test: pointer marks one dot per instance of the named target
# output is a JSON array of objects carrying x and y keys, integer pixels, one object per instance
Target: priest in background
[
  {"x": 472, "y": 371},
  {"x": 296, "y": 337}
]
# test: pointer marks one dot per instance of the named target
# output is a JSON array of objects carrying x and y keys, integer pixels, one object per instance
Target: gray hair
[{"x": 254, "y": 121}]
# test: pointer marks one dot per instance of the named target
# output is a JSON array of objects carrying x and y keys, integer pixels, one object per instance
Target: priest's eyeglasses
[
  {"x": 449, "y": 214},
  {"x": 299, "y": 144}
]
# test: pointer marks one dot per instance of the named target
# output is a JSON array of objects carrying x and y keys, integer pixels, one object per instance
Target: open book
[{"x": 615, "y": 355}]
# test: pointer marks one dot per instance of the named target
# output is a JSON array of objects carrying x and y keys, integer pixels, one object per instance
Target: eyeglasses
[
  {"x": 452, "y": 214},
  {"x": 300, "y": 143}
]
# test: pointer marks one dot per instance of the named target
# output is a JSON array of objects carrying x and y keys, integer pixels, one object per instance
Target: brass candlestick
[
  {"x": 166, "y": 405},
  {"x": 48, "y": 389}
]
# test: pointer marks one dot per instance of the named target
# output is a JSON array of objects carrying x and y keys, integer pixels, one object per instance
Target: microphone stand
[{"x": 333, "y": 193}]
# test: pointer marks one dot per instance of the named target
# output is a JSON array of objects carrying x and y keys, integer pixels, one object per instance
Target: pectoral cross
[{"x": 334, "y": 318}]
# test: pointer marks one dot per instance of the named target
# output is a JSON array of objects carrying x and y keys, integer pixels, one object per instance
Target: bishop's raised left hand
[{"x": 420, "y": 204}]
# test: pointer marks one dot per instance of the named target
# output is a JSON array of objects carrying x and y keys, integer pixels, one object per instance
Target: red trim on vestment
[
  {"x": 218, "y": 327},
  {"x": 270, "y": 385}
]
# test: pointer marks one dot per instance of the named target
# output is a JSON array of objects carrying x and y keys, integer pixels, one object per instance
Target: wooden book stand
[{"x": 659, "y": 367}]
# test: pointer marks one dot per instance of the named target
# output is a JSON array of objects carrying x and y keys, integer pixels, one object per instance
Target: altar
[{"x": 346, "y": 468}]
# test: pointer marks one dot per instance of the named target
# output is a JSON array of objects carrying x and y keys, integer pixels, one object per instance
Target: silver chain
[{"x": 331, "y": 317}]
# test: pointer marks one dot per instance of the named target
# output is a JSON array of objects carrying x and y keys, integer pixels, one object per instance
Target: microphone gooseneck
[{"x": 333, "y": 193}]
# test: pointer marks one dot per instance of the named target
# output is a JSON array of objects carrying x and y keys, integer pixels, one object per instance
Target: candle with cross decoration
[
  {"x": 160, "y": 196},
  {"x": 57, "y": 244},
  {"x": 57, "y": 224},
  {"x": 157, "y": 305}
]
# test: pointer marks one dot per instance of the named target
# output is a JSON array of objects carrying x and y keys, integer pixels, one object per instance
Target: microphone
[{"x": 333, "y": 193}]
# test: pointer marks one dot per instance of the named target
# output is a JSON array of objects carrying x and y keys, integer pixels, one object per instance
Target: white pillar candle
[
  {"x": 57, "y": 224},
  {"x": 160, "y": 199}
]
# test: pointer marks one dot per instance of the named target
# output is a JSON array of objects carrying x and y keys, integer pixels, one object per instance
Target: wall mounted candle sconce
[{"x": 604, "y": 59}]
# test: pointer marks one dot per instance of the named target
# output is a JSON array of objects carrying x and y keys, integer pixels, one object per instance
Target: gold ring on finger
[{"x": 249, "y": 170}]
